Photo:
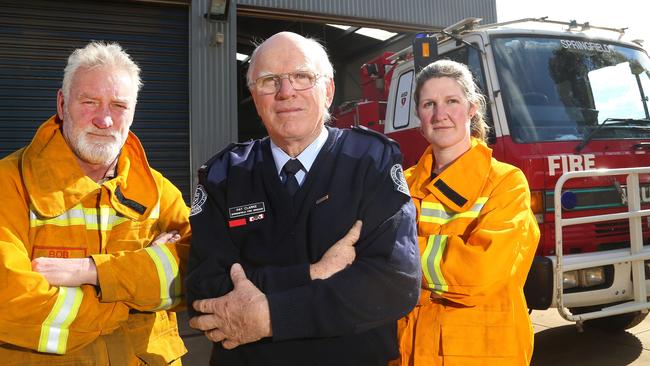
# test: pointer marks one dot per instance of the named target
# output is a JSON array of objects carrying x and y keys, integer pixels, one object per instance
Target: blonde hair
[{"x": 461, "y": 74}]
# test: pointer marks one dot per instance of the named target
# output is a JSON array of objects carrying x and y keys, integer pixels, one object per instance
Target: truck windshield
[{"x": 557, "y": 89}]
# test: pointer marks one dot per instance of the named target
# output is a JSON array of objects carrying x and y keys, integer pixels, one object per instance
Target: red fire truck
[{"x": 568, "y": 105}]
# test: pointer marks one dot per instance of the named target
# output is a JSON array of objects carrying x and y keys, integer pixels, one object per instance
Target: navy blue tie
[{"x": 290, "y": 169}]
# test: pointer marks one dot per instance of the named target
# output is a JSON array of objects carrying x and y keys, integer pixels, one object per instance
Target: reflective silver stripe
[
  {"x": 74, "y": 216},
  {"x": 435, "y": 212},
  {"x": 424, "y": 261},
  {"x": 168, "y": 275},
  {"x": 103, "y": 218},
  {"x": 431, "y": 263},
  {"x": 55, "y": 328}
]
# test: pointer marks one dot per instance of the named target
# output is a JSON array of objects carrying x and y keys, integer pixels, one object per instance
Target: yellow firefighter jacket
[
  {"x": 477, "y": 238},
  {"x": 51, "y": 209}
]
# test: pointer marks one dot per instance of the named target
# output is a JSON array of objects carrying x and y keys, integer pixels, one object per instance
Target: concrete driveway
[
  {"x": 198, "y": 346},
  {"x": 558, "y": 343}
]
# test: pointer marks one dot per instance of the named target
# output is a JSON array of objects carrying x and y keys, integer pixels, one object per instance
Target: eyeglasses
[{"x": 270, "y": 84}]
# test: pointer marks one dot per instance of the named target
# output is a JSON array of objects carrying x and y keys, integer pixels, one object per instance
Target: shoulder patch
[
  {"x": 399, "y": 182},
  {"x": 200, "y": 196}
]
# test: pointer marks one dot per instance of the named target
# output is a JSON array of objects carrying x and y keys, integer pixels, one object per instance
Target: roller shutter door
[{"x": 36, "y": 38}]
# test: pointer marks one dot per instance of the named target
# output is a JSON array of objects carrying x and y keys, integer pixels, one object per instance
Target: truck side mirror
[
  {"x": 635, "y": 67},
  {"x": 425, "y": 50}
]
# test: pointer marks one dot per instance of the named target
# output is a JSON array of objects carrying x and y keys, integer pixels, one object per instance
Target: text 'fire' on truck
[{"x": 568, "y": 105}]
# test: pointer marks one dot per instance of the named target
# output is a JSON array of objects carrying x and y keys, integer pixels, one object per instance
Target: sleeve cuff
[
  {"x": 107, "y": 282},
  {"x": 287, "y": 310}
]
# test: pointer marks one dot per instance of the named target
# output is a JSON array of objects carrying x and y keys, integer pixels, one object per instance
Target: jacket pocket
[
  {"x": 93, "y": 354},
  {"x": 479, "y": 332},
  {"x": 479, "y": 341},
  {"x": 160, "y": 342}
]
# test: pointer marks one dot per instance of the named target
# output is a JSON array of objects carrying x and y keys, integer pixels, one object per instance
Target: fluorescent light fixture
[
  {"x": 375, "y": 33},
  {"x": 241, "y": 56},
  {"x": 344, "y": 27},
  {"x": 379, "y": 34}
]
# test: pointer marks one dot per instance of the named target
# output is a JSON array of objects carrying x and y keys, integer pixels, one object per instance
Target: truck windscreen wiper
[{"x": 609, "y": 122}]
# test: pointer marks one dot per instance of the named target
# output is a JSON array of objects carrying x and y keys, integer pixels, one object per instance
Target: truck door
[{"x": 401, "y": 123}]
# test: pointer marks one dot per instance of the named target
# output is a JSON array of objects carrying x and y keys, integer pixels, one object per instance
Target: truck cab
[{"x": 563, "y": 97}]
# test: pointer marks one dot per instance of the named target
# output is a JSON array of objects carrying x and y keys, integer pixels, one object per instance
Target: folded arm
[{"x": 497, "y": 249}]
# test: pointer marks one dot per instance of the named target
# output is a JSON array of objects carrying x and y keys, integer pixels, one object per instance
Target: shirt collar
[{"x": 306, "y": 157}]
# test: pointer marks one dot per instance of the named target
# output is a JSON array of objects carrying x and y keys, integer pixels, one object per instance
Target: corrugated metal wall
[
  {"x": 37, "y": 36},
  {"x": 420, "y": 13},
  {"x": 213, "y": 84}
]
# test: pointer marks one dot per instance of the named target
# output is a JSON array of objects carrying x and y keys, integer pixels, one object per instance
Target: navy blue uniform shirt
[{"x": 242, "y": 214}]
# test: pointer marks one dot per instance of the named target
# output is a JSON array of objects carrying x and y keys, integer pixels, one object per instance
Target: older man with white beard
[{"x": 91, "y": 237}]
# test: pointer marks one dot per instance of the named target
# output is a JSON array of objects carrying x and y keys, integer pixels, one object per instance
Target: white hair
[
  {"x": 314, "y": 49},
  {"x": 316, "y": 53},
  {"x": 99, "y": 54}
]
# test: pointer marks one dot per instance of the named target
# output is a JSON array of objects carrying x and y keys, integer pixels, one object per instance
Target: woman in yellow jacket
[{"x": 476, "y": 232}]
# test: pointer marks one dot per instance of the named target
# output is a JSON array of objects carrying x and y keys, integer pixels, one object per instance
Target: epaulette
[
  {"x": 203, "y": 170},
  {"x": 381, "y": 136}
]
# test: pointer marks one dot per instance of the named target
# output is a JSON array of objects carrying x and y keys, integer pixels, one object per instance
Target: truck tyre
[
  {"x": 617, "y": 323},
  {"x": 614, "y": 323}
]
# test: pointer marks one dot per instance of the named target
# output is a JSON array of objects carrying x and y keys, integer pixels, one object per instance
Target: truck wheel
[
  {"x": 617, "y": 323},
  {"x": 614, "y": 323}
]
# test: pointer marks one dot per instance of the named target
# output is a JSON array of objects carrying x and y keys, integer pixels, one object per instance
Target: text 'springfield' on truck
[{"x": 568, "y": 105}]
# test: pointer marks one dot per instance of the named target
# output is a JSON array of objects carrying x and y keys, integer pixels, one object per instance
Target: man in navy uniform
[{"x": 304, "y": 248}]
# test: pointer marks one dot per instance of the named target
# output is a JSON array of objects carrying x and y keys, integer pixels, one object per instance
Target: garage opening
[{"x": 348, "y": 46}]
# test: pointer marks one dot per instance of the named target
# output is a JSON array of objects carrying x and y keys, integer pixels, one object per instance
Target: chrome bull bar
[{"x": 635, "y": 255}]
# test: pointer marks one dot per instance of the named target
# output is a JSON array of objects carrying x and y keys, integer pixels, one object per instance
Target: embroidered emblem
[
  {"x": 246, "y": 210},
  {"x": 58, "y": 252},
  {"x": 399, "y": 182},
  {"x": 255, "y": 217},
  {"x": 200, "y": 196}
]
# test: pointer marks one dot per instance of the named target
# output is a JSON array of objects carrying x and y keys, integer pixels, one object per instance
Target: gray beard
[{"x": 92, "y": 153}]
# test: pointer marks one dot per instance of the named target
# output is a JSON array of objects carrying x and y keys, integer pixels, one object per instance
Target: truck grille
[{"x": 595, "y": 236}]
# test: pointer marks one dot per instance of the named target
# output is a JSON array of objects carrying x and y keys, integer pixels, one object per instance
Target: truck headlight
[
  {"x": 587, "y": 277},
  {"x": 592, "y": 276},
  {"x": 570, "y": 279}
]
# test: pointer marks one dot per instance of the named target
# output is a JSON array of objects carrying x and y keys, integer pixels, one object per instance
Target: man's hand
[
  {"x": 239, "y": 317},
  {"x": 75, "y": 272},
  {"x": 71, "y": 272},
  {"x": 166, "y": 237},
  {"x": 338, "y": 256}
]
